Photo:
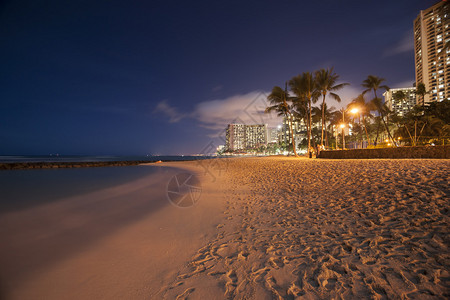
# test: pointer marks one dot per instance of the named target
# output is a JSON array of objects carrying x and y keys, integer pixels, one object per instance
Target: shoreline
[{"x": 120, "y": 242}]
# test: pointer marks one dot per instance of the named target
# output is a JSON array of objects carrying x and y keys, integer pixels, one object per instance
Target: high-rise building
[
  {"x": 235, "y": 137},
  {"x": 400, "y": 107},
  {"x": 255, "y": 136},
  {"x": 298, "y": 128},
  {"x": 432, "y": 56},
  {"x": 242, "y": 137},
  {"x": 273, "y": 134}
]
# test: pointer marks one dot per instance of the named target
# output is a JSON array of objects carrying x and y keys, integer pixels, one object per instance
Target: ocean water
[
  {"x": 20, "y": 189},
  {"x": 82, "y": 158}
]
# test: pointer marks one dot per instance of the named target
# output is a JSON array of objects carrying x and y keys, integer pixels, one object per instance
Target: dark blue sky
[{"x": 150, "y": 77}]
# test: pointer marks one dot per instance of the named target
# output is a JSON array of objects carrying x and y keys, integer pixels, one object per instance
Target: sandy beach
[
  {"x": 322, "y": 229},
  {"x": 263, "y": 228}
]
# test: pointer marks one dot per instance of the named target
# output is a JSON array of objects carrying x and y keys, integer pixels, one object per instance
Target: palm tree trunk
[
  {"x": 378, "y": 131},
  {"x": 365, "y": 129},
  {"x": 292, "y": 134},
  {"x": 309, "y": 127},
  {"x": 388, "y": 131},
  {"x": 384, "y": 122},
  {"x": 323, "y": 117}
]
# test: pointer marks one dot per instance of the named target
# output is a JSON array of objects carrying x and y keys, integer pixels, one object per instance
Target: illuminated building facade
[
  {"x": 298, "y": 128},
  {"x": 432, "y": 57},
  {"x": 400, "y": 107},
  {"x": 242, "y": 137}
]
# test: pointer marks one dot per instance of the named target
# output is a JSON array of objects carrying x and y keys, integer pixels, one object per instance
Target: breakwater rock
[{"x": 56, "y": 165}]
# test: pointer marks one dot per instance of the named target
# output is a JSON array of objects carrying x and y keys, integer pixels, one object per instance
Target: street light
[{"x": 354, "y": 110}]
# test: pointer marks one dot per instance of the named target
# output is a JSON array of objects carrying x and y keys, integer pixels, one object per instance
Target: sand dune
[{"x": 298, "y": 228}]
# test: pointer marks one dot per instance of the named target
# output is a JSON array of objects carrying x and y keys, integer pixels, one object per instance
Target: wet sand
[{"x": 120, "y": 242}]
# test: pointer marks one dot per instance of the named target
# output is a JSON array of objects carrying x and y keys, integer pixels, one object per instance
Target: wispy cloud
[
  {"x": 246, "y": 108},
  {"x": 169, "y": 111},
  {"x": 217, "y": 88},
  {"x": 406, "y": 44}
]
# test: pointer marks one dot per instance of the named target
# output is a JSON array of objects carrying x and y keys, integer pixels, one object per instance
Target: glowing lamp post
[{"x": 354, "y": 110}]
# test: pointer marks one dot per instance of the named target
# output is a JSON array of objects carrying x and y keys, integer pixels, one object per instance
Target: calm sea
[
  {"x": 21, "y": 189},
  {"x": 80, "y": 158}
]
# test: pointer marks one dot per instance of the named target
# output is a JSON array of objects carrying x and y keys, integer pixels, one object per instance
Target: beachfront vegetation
[
  {"x": 374, "y": 125},
  {"x": 278, "y": 99},
  {"x": 306, "y": 89},
  {"x": 327, "y": 85}
]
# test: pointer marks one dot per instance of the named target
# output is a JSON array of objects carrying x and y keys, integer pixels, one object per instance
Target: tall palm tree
[
  {"x": 304, "y": 87},
  {"x": 421, "y": 91},
  {"x": 300, "y": 110},
  {"x": 278, "y": 99},
  {"x": 373, "y": 83},
  {"x": 335, "y": 120},
  {"x": 382, "y": 110},
  {"x": 329, "y": 112},
  {"x": 326, "y": 84},
  {"x": 364, "y": 109}
]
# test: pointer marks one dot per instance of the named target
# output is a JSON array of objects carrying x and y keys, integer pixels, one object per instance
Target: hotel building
[
  {"x": 298, "y": 128},
  {"x": 432, "y": 57},
  {"x": 273, "y": 135},
  {"x": 242, "y": 137},
  {"x": 400, "y": 107}
]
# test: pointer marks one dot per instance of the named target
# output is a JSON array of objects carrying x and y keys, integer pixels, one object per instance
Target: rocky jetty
[{"x": 56, "y": 165}]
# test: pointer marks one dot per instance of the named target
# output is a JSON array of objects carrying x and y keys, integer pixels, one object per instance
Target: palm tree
[
  {"x": 364, "y": 109},
  {"x": 399, "y": 96},
  {"x": 421, "y": 91},
  {"x": 328, "y": 113},
  {"x": 279, "y": 99},
  {"x": 300, "y": 110},
  {"x": 382, "y": 110},
  {"x": 304, "y": 87},
  {"x": 335, "y": 120},
  {"x": 374, "y": 83},
  {"x": 326, "y": 84}
]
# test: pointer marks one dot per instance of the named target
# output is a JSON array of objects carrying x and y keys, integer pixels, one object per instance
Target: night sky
[{"x": 165, "y": 77}]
